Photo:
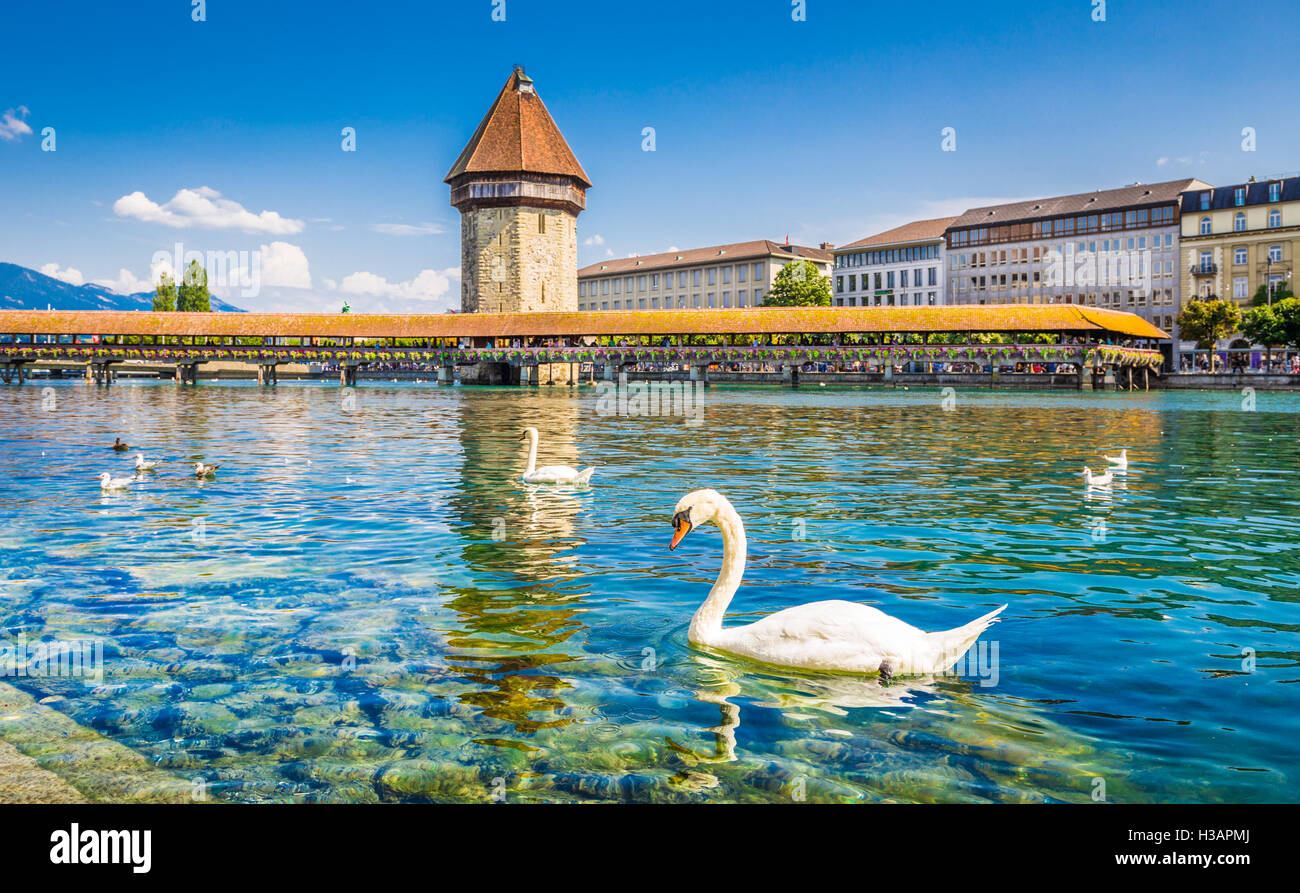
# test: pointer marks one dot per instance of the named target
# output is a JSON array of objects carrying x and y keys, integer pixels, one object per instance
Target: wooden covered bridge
[{"x": 532, "y": 348}]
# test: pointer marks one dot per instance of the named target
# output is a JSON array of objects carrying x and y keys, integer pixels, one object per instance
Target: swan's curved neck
[
  {"x": 532, "y": 453},
  {"x": 707, "y": 621}
]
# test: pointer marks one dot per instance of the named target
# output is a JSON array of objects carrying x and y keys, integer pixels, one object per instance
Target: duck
[
  {"x": 107, "y": 482},
  {"x": 550, "y": 474},
  {"x": 143, "y": 464},
  {"x": 1120, "y": 461},
  {"x": 827, "y": 636},
  {"x": 1097, "y": 480},
  {"x": 205, "y": 471},
  {"x": 119, "y": 446}
]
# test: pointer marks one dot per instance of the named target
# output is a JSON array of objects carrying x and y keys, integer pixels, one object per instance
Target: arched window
[
  {"x": 1239, "y": 222},
  {"x": 1274, "y": 218},
  {"x": 1205, "y": 226}
]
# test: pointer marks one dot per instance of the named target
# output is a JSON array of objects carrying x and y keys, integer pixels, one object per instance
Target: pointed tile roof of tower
[{"x": 518, "y": 136}]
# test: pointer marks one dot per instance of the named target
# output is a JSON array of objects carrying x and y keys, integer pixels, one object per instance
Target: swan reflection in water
[{"x": 790, "y": 693}]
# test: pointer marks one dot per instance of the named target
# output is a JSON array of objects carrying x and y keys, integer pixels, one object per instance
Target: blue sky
[{"x": 825, "y": 129}]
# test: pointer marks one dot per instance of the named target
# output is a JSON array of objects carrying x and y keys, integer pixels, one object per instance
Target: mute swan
[
  {"x": 550, "y": 474},
  {"x": 143, "y": 464},
  {"x": 1097, "y": 480},
  {"x": 205, "y": 471},
  {"x": 1120, "y": 461},
  {"x": 837, "y": 636},
  {"x": 108, "y": 482}
]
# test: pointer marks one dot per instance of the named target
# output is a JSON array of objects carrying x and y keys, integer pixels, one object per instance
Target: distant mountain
[{"x": 24, "y": 289}]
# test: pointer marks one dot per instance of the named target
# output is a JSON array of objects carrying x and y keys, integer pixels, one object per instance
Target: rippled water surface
[{"x": 366, "y": 604}]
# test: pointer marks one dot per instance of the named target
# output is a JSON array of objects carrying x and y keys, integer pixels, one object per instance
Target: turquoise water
[{"x": 366, "y": 605}]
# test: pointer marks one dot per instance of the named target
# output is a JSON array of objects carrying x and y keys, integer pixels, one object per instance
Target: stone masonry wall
[{"x": 518, "y": 259}]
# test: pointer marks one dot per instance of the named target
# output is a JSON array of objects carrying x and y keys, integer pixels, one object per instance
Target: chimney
[{"x": 826, "y": 246}]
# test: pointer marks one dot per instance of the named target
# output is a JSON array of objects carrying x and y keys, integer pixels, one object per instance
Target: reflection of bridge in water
[{"x": 542, "y": 348}]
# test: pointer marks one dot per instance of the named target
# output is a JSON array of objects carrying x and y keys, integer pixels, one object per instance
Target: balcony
[{"x": 1204, "y": 269}]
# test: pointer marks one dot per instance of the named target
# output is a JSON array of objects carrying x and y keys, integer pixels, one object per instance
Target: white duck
[
  {"x": 1097, "y": 480},
  {"x": 107, "y": 482},
  {"x": 550, "y": 474},
  {"x": 143, "y": 464},
  {"x": 1120, "y": 461},
  {"x": 836, "y": 636}
]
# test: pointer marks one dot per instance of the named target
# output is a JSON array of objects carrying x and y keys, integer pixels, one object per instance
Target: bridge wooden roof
[{"x": 1070, "y": 318}]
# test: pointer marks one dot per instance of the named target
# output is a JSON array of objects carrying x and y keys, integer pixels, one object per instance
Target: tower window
[{"x": 541, "y": 223}]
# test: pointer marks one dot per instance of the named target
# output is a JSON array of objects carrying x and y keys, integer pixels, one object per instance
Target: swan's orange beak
[{"x": 681, "y": 526}]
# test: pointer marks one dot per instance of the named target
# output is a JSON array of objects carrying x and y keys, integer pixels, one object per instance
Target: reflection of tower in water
[{"x": 519, "y": 541}]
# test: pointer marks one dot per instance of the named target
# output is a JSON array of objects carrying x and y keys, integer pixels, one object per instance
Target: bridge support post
[
  {"x": 22, "y": 372},
  {"x": 7, "y": 371},
  {"x": 888, "y": 368},
  {"x": 1146, "y": 377},
  {"x": 1108, "y": 380},
  {"x": 790, "y": 375},
  {"x": 187, "y": 373},
  {"x": 607, "y": 372},
  {"x": 266, "y": 374},
  {"x": 348, "y": 375},
  {"x": 99, "y": 373},
  {"x": 700, "y": 373},
  {"x": 446, "y": 374}
]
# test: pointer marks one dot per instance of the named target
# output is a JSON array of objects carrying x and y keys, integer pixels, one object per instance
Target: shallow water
[{"x": 365, "y": 604}]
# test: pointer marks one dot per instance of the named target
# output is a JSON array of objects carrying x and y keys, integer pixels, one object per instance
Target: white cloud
[
  {"x": 71, "y": 275},
  {"x": 284, "y": 266},
  {"x": 126, "y": 282},
  {"x": 597, "y": 239},
  {"x": 1162, "y": 161},
  {"x": 428, "y": 285},
  {"x": 204, "y": 208},
  {"x": 408, "y": 229},
  {"x": 12, "y": 125}
]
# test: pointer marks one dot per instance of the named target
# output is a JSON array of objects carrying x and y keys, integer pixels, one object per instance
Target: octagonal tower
[{"x": 519, "y": 190}]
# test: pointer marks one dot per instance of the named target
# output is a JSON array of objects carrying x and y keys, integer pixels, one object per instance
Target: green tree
[
  {"x": 192, "y": 296},
  {"x": 1261, "y": 326},
  {"x": 1207, "y": 322},
  {"x": 1281, "y": 291},
  {"x": 164, "y": 295},
  {"x": 1287, "y": 314},
  {"x": 799, "y": 284}
]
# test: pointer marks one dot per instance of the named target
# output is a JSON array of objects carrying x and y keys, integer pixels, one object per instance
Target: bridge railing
[{"x": 618, "y": 355}]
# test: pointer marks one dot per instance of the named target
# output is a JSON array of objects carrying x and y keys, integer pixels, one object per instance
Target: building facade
[
  {"x": 1112, "y": 248},
  {"x": 900, "y": 267},
  {"x": 721, "y": 276},
  {"x": 1238, "y": 238},
  {"x": 519, "y": 190}
]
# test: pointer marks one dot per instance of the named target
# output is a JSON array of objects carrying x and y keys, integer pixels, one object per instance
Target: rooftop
[
  {"x": 917, "y": 231},
  {"x": 1069, "y": 318},
  {"x": 1222, "y": 197},
  {"x": 518, "y": 135},
  {"x": 1137, "y": 195},
  {"x": 712, "y": 254}
]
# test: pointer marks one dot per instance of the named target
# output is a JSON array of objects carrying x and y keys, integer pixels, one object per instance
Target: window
[
  {"x": 713, "y": 277},
  {"x": 711, "y": 301},
  {"x": 1274, "y": 218},
  {"x": 640, "y": 283},
  {"x": 1239, "y": 256},
  {"x": 681, "y": 279},
  {"x": 758, "y": 272},
  {"x": 839, "y": 284},
  {"x": 1239, "y": 196},
  {"x": 1205, "y": 226},
  {"x": 618, "y": 284},
  {"x": 726, "y": 299},
  {"x": 1275, "y": 253},
  {"x": 1205, "y": 201},
  {"x": 695, "y": 281},
  {"x": 740, "y": 297},
  {"x": 654, "y": 281},
  {"x": 741, "y": 272},
  {"x": 1239, "y": 286},
  {"x": 1239, "y": 222},
  {"x": 758, "y": 296},
  {"x": 1274, "y": 192},
  {"x": 726, "y": 275},
  {"x": 604, "y": 286}
]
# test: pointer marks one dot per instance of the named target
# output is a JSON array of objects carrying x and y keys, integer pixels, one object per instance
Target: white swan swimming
[
  {"x": 1097, "y": 480},
  {"x": 1120, "y": 461},
  {"x": 108, "y": 482},
  {"x": 143, "y": 464},
  {"x": 836, "y": 636},
  {"x": 550, "y": 474}
]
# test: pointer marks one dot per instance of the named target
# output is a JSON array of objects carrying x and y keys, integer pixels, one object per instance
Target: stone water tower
[{"x": 519, "y": 190}]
